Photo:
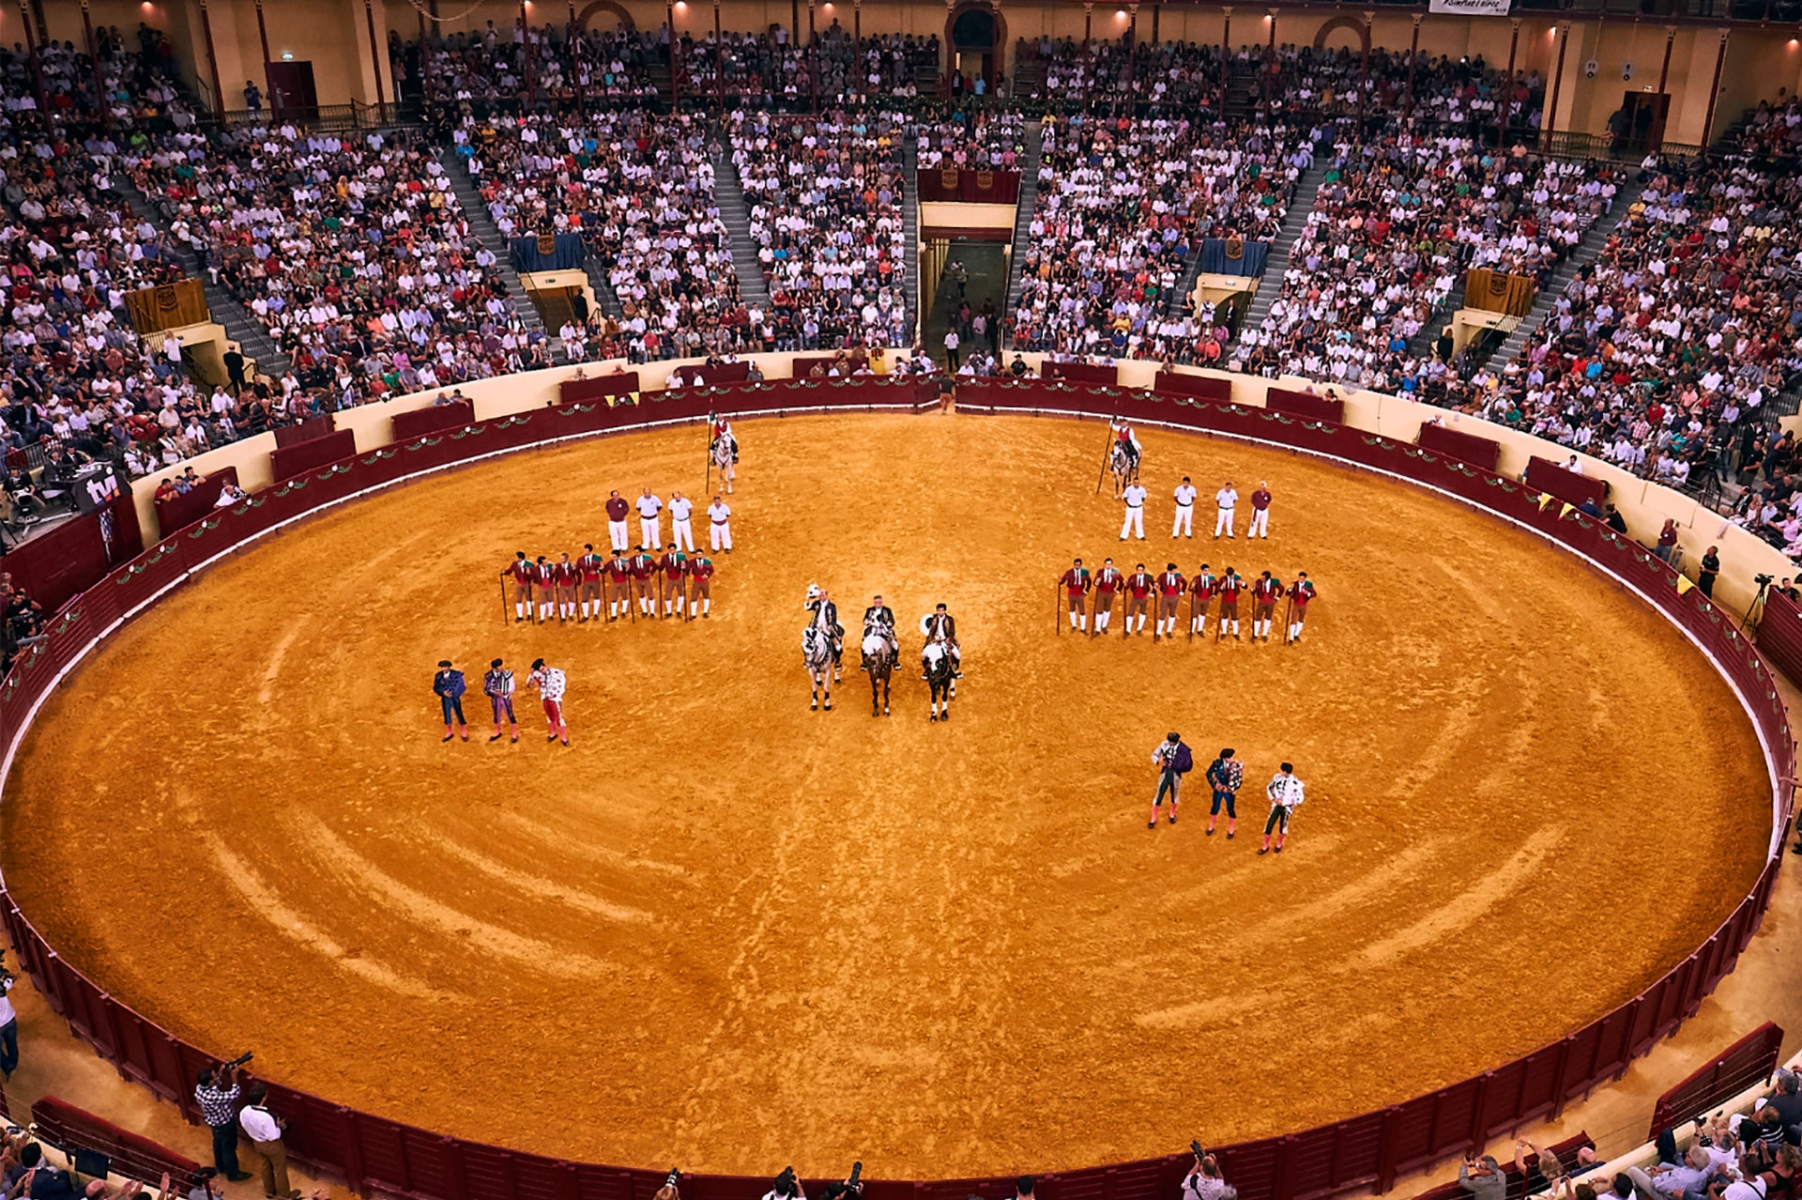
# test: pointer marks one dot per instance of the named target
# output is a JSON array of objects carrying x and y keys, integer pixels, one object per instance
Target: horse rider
[
  {"x": 1129, "y": 445},
  {"x": 719, "y": 428},
  {"x": 940, "y": 626},
  {"x": 879, "y": 619},
  {"x": 825, "y": 615}
]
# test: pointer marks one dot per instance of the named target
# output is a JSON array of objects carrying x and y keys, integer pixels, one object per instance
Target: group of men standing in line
[
  {"x": 681, "y": 584},
  {"x": 1225, "y": 776},
  {"x": 1169, "y": 587},
  {"x": 1226, "y": 506},
  {"x": 449, "y": 685}
]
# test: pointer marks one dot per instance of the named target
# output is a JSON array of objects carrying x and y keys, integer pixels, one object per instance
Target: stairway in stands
[
  {"x": 241, "y": 326},
  {"x": 1029, "y": 199},
  {"x": 482, "y": 226},
  {"x": 910, "y": 232},
  {"x": 731, "y": 199},
  {"x": 1282, "y": 247},
  {"x": 1593, "y": 240},
  {"x": 1241, "y": 90}
]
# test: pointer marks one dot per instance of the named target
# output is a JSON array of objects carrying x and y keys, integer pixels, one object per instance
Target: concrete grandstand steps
[
  {"x": 1029, "y": 199},
  {"x": 1177, "y": 302},
  {"x": 910, "y": 227},
  {"x": 1594, "y": 238},
  {"x": 603, "y": 290},
  {"x": 1307, "y": 188},
  {"x": 240, "y": 325},
  {"x": 737, "y": 218},
  {"x": 482, "y": 226},
  {"x": 1241, "y": 89},
  {"x": 1029, "y": 74}
]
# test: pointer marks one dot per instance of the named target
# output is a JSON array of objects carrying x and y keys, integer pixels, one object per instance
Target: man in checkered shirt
[
  {"x": 217, "y": 1095},
  {"x": 550, "y": 683}
]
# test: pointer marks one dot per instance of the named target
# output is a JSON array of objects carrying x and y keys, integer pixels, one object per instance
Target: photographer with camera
[
  {"x": 216, "y": 1092},
  {"x": 1204, "y": 1181},
  {"x": 786, "y": 1187}
]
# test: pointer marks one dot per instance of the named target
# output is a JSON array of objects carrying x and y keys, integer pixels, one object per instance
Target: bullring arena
[{"x": 920, "y": 945}]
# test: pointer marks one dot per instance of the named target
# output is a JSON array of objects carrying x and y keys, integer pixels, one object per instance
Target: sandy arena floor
[{"x": 725, "y": 932}]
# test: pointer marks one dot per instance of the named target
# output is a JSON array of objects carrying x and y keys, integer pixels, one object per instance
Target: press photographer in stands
[{"x": 217, "y": 1094}]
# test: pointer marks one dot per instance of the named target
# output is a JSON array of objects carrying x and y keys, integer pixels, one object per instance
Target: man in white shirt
[
  {"x": 1135, "y": 510},
  {"x": 1185, "y": 510},
  {"x": 719, "y": 531},
  {"x": 1226, "y": 498},
  {"x": 650, "y": 527},
  {"x": 680, "y": 532},
  {"x": 1285, "y": 792},
  {"x": 264, "y": 1129}
]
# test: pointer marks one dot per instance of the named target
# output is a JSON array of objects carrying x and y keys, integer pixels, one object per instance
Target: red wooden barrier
[
  {"x": 597, "y": 387},
  {"x": 1107, "y": 374},
  {"x": 1304, "y": 404},
  {"x": 292, "y": 460},
  {"x": 1205, "y": 386},
  {"x": 133, "y": 1155},
  {"x": 422, "y": 421},
  {"x": 375, "y": 1154},
  {"x": 1732, "y": 1071},
  {"x": 1553, "y": 479},
  {"x": 1477, "y": 451}
]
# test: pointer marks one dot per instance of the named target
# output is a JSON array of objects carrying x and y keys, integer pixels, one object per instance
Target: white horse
[
  {"x": 816, "y": 656},
  {"x": 725, "y": 458}
]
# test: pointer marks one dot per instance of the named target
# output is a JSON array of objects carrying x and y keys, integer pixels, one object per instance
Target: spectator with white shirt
[{"x": 264, "y": 1129}]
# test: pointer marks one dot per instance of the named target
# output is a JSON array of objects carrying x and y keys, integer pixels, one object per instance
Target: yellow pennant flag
[
  {"x": 1565, "y": 510},
  {"x": 1545, "y": 498},
  {"x": 1683, "y": 585}
]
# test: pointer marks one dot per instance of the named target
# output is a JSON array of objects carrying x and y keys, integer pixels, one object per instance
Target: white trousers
[
  {"x": 616, "y": 533},
  {"x": 1135, "y": 523},
  {"x": 1183, "y": 525},
  {"x": 1223, "y": 523},
  {"x": 650, "y": 532},
  {"x": 682, "y": 535},
  {"x": 720, "y": 535},
  {"x": 1260, "y": 523}
]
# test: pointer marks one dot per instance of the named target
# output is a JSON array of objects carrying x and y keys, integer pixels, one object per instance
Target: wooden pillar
[
  {"x": 525, "y": 33},
  {"x": 575, "y": 56},
  {"x": 1226, "y": 54},
  {"x": 1132, "y": 48},
  {"x": 1501, "y": 120},
  {"x": 1157, "y": 10},
  {"x": 263, "y": 38},
  {"x": 719, "y": 59},
  {"x": 857, "y": 28},
  {"x": 375, "y": 60},
  {"x": 1413, "y": 53},
  {"x": 1714, "y": 91},
  {"x": 87, "y": 30},
  {"x": 813, "y": 58},
  {"x": 1269, "y": 58},
  {"x": 212, "y": 59},
  {"x": 1364, "y": 69},
  {"x": 1664, "y": 71},
  {"x": 675, "y": 61},
  {"x": 1550, "y": 125},
  {"x": 1088, "y": 50}
]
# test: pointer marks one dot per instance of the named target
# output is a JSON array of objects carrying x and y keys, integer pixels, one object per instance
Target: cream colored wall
[
  {"x": 943, "y": 215},
  {"x": 1644, "y": 505}
]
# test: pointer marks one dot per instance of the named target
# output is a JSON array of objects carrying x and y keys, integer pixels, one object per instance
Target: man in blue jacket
[{"x": 448, "y": 686}]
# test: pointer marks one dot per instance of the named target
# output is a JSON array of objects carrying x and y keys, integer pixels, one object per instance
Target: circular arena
[
  {"x": 315, "y": 393},
  {"x": 869, "y": 922}
]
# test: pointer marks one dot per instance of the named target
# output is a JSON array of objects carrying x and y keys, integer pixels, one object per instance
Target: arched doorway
[
  {"x": 1360, "y": 32},
  {"x": 975, "y": 33},
  {"x": 621, "y": 16}
]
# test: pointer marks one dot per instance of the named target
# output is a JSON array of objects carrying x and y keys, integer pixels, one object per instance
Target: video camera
[
  {"x": 1199, "y": 1152},
  {"x": 238, "y": 1061},
  {"x": 785, "y": 1183}
]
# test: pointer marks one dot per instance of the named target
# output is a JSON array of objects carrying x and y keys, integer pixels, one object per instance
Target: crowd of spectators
[
  {"x": 976, "y": 139},
  {"x": 351, "y": 251},
  {"x": 771, "y": 70},
  {"x": 1395, "y": 225},
  {"x": 493, "y": 67},
  {"x": 824, "y": 202},
  {"x": 1122, "y": 204},
  {"x": 639, "y": 189}
]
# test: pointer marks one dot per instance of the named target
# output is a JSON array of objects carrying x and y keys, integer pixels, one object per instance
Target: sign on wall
[{"x": 1471, "y": 8}]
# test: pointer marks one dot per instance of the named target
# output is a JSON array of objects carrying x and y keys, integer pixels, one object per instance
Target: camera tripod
[{"x": 1757, "y": 605}]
